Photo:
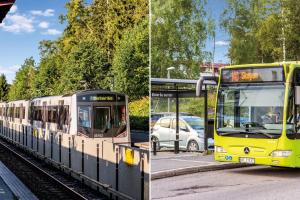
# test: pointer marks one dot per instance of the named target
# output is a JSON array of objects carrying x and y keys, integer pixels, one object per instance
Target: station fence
[{"x": 118, "y": 170}]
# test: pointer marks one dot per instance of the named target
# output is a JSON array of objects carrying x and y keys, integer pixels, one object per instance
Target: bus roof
[{"x": 264, "y": 64}]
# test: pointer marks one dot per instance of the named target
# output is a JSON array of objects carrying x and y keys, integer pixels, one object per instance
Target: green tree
[
  {"x": 241, "y": 20},
  {"x": 179, "y": 31},
  {"x": 262, "y": 31},
  {"x": 82, "y": 57},
  {"x": 23, "y": 85},
  {"x": 4, "y": 88},
  {"x": 86, "y": 67},
  {"x": 131, "y": 62}
]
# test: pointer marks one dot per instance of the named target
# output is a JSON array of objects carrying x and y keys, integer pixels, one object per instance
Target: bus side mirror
[{"x": 297, "y": 95}]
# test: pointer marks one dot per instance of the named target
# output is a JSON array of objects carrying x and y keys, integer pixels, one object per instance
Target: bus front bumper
[{"x": 256, "y": 160}]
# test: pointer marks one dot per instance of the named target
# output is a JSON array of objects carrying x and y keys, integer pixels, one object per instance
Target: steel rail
[{"x": 47, "y": 175}]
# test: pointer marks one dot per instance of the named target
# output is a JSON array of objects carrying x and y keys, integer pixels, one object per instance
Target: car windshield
[
  {"x": 250, "y": 109},
  {"x": 196, "y": 123}
]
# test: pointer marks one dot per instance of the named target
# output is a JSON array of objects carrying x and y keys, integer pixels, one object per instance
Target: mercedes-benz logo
[{"x": 246, "y": 150}]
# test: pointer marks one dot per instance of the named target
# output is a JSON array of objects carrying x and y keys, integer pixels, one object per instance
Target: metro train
[{"x": 97, "y": 114}]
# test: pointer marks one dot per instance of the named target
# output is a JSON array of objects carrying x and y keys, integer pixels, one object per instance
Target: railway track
[{"x": 44, "y": 181}]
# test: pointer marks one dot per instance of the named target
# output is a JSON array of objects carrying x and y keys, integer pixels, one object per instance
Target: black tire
[
  {"x": 155, "y": 139},
  {"x": 193, "y": 146}
]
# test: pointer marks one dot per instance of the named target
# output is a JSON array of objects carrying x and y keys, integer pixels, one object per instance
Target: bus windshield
[{"x": 250, "y": 110}]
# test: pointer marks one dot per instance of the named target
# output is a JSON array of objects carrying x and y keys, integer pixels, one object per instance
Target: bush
[
  {"x": 139, "y": 114},
  {"x": 139, "y": 123}
]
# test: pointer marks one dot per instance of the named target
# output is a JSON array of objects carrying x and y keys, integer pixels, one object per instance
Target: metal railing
[{"x": 154, "y": 145}]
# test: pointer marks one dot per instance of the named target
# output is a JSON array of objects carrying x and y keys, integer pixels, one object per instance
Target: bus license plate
[{"x": 247, "y": 160}]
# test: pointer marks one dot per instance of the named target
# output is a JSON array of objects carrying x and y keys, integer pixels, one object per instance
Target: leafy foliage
[
  {"x": 139, "y": 107},
  {"x": 130, "y": 64},
  {"x": 22, "y": 87},
  {"x": 261, "y": 30},
  {"x": 139, "y": 114},
  {"x": 84, "y": 56},
  {"x": 4, "y": 87},
  {"x": 179, "y": 30}
]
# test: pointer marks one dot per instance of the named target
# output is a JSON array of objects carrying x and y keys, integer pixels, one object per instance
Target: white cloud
[
  {"x": 222, "y": 43},
  {"x": 9, "y": 72},
  {"x": 52, "y": 32},
  {"x": 18, "y": 23},
  {"x": 46, "y": 13},
  {"x": 44, "y": 24},
  {"x": 13, "y": 9}
]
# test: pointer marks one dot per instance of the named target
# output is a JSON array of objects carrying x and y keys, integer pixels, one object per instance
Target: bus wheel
[
  {"x": 193, "y": 146},
  {"x": 155, "y": 139}
]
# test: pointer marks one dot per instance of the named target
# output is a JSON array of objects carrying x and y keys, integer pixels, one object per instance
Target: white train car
[
  {"x": 97, "y": 114},
  {"x": 85, "y": 134}
]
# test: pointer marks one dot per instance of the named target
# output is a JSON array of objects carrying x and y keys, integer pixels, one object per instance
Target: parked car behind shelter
[{"x": 191, "y": 133}]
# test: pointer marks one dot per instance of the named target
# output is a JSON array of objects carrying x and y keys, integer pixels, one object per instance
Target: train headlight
[
  {"x": 220, "y": 149},
  {"x": 281, "y": 153}
]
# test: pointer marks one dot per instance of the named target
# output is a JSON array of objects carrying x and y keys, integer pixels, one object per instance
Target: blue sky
[
  {"x": 215, "y": 8},
  {"x": 27, "y": 23},
  {"x": 31, "y": 21}
]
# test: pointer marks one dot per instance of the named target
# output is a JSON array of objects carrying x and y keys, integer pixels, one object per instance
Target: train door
[{"x": 102, "y": 118}]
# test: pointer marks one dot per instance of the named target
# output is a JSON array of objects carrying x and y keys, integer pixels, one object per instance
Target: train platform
[
  {"x": 168, "y": 164},
  {"x": 11, "y": 187}
]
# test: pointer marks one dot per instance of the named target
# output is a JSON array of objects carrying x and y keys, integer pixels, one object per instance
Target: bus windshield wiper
[
  {"x": 261, "y": 132},
  {"x": 255, "y": 131},
  {"x": 250, "y": 125},
  {"x": 229, "y": 132}
]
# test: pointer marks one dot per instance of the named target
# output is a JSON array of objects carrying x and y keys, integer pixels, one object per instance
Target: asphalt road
[{"x": 258, "y": 182}]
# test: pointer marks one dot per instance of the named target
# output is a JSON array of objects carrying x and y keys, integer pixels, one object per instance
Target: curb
[{"x": 191, "y": 170}]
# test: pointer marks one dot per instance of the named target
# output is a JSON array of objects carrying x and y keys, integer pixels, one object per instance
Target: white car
[{"x": 191, "y": 133}]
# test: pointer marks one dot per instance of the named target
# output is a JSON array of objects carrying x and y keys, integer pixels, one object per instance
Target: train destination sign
[
  {"x": 259, "y": 74},
  {"x": 100, "y": 98}
]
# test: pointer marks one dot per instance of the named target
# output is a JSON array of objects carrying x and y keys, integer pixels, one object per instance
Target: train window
[
  {"x": 11, "y": 112},
  {"x": 84, "y": 116},
  {"x": 37, "y": 113},
  {"x": 17, "y": 112},
  {"x": 120, "y": 116},
  {"x": 65, "y": 116},
  {"x": 22, "y": 112},
  {"x": 102, "y": 118},
  {"x": 52, "y": 114}
]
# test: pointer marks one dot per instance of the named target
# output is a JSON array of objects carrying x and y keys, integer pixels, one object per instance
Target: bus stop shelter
[
  {"x": 5, "y": 6},
  {"x": 184, "y": 88}
]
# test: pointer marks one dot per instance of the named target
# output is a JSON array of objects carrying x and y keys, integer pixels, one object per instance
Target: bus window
[{"x": 84, "y": 116}]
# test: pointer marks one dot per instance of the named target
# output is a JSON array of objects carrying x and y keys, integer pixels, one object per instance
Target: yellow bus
[{"x": 257, "y": 117}]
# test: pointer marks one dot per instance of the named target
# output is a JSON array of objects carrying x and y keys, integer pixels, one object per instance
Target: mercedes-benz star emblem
[{"x": 246, "y": 150}]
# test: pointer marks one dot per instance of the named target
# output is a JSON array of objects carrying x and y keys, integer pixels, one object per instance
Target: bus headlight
[
  {"x": 220, "y": 149},
  {"x": 281, "y": 153}
]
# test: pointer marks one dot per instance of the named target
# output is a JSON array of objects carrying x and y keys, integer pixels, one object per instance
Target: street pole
[
  {"x": 205, "y": 120},
  {"x": 168, "y": 98},
  {"x": 177, "y": 122},
  {"x": 168, "y": 76}
]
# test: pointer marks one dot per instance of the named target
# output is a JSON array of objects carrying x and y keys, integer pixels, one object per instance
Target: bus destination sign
[{"x": 255, "y": 74}]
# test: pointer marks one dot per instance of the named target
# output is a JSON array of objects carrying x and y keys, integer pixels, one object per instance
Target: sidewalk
[{"x": 168, "y": 164}]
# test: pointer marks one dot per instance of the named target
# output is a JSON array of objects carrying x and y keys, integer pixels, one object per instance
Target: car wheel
[
  {"x": 155, "y": 139},
  {"x": 193, "y": 146}
]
